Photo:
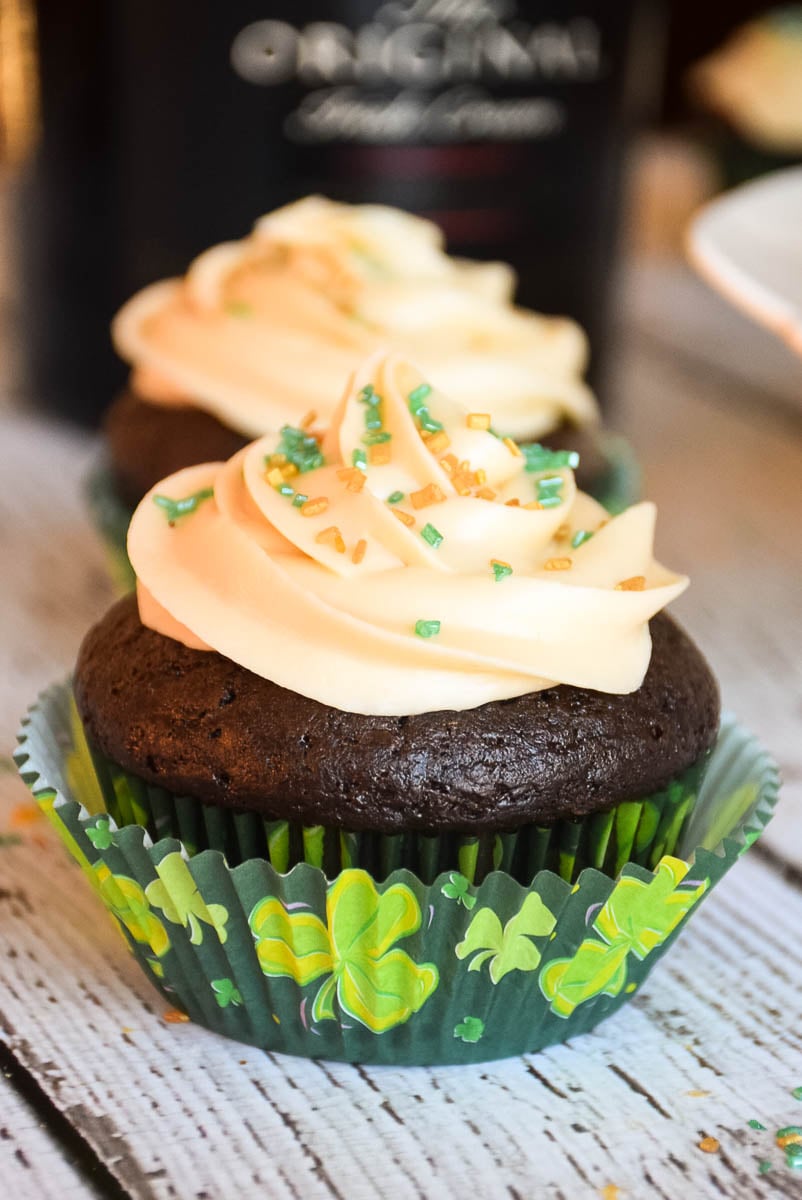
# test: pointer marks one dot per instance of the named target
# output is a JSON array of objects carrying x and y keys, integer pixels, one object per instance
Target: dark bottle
[{"x": 169, "y": 127}]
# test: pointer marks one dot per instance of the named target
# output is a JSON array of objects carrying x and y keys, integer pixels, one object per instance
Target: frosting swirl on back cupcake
[
  {"x": 408, "y": 560},
  {"x": 259, "y": 328}
]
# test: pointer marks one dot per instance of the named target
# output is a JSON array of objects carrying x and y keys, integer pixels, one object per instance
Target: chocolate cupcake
[
  {"x": 403, "y": 727},
  {"x": 262, "y": 331},
  {"x": 395, "y": 758}
]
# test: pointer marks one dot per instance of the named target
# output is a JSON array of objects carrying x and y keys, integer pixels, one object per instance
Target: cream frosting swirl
[
  {"x": 258, "y": 329},
  {"x": 415, "y": 562}
]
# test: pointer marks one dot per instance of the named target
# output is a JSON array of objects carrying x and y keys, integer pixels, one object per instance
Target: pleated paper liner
[
  {"x": 618, "y": 487},
  {"x": 400, "y": 971}
]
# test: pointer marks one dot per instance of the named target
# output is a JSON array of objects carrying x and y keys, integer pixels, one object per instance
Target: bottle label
[{"x": 436, "y": 71}]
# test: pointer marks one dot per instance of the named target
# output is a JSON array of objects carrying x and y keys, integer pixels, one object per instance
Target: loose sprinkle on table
[
  {"x": 710, "y": 1145},
  {"x": 790, "y": 1135},
  {"x": 557, "y": 564},
  {"x": 500, "y": 569},
  {"x": 797, "y": 1093},
  {"x": 173, "y": 509},
  {"x": 174, "y": 1016},
  {"x": 395, "y": 497},
  {"x": 430, "y": 494},
  {"x": 478, "y": 421},
  {"x": 431, "y": 535},
  {"x": 359, "y": 551},
  {"x": 313, "y": 508},
  {"x": 427, "y": 629},
  {"x": 331, "y": 537},
  {"x": 763, "y": 1167},
  {"x": 793, "y": 1157},
  {"x": 635, "y": 583},
  {"x": 754, "y": 1124}
]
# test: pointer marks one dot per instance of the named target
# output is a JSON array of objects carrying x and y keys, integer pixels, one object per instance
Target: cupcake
[
  {"x": 394, "y": 756},
  {"x": 753, "y": 86},
  {"x": 254, "y": 335}
]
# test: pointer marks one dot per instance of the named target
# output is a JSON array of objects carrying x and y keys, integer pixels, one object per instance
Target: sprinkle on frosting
[
  {"x": 239, "y": 308},
  {"x": 313, "y": 508},
  {"x": 478, "y": 420},
  {"x": 425, "y": 496},
  {"x": 432, "y": 536},
  {"x": 540, "y": 458},
  {"x": 513, "y": 447},
  {"x": 379, "y": 455},
  {"x": 580, "y": 537},
  {"x": 346, "y": 587},
  {"x": 359, "y": 459},
  {"x": 297, "y": 448},
  {"x": 635, "y": 583},
  {"x": 173, "y": 509},
  {"x": 549, "y": 491},
  {"x": 427, "y": 629}
]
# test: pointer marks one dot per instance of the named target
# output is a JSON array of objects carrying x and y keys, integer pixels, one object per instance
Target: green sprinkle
[
  {"x": 368, "y": 396},
  {"x": 377, "y": 439},
  {"x": 797, "y": 1093},
  {"x": 548, "y": 491},
  {"x": 500, "y": 570},
  {"x": 429, "y": 424},
  {"x": 793, "y": 1156},
  {"x": 540, "y": 458},
  {"x": 298, "y": 499},
  {"x": 395, "y": 497},
  {"x": 417, "y": 397},
  {"x": 753, "y": 1124},
  {"x": 373, "y": 422},
  {"x": 427, "y": 629},
  {"x": 173, "y": 509},
  {"x": 763, "y": 1167},
  {"x": 432, "y": 536},
  {"x": 286, "y": 489},
  {"x": 360, "y": 459},
  {"x": 789, "y": 1131},
  {"x": 580, "y": 537},
  {"x": 239, "y": 308},
  {"x": 299, "y": 448}
]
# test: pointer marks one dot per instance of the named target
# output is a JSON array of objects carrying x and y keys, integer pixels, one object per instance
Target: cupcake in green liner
[
  {"x": 402, "y": 683},
  {"x": 264, "y": 331}
]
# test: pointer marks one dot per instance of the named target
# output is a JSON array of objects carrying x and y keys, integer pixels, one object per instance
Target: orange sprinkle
[
  {"x": 636, "y": 583},
  {"x": 174, "y": 1016},
  {"x": 534, "y": 504},
  {"x": 478, "y": 420},
  {"x": 513, "y": 447},
  {"x": 308, "y": 420},
  {"x": 610, "y": 1191},
  {"x": 277, "y": 460},
  {"x": 709, "y": 1144},
  {"x": 274, "y": 477},
  {"x": 481, "y": 476},
  {"x": 288, "y": 470},
  {"x": 449, "y": 463},
  {"x": 437, "y": 442},
  {"x": 352, "y": 477},
  {"x": 359, "y": 551},
  {"x": 789, "y": 1139},
  {"x": 431, "y": 494},
  {"x": 312, "y": 508},
  {"x": 404, "y": 517},
  {"x": 331, "y": 537},
  {"x": 485, "y": 493},
  {"x": 557, "y": 564},
  {"x": 563, "y": 533},
  {"x": 514, "y": 503},
  {"x": 379, "y": 456}
]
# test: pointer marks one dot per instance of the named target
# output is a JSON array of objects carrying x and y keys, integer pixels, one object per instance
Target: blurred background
[{"x": 133, "y": 135}]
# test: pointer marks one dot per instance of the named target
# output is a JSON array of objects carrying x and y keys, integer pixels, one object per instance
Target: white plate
[{"x": 748, "y": 245}]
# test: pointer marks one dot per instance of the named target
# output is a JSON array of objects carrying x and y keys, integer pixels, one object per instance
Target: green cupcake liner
[
  {"x": 639, "y": 831},
  {"x": 618, "y": 487},
  {"x": 397, "y": 972}
]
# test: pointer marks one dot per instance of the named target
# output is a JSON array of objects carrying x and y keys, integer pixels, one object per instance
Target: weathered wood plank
[
  {"x": 714, "y": 1041},
  {"x": 32, "y": 1162}
]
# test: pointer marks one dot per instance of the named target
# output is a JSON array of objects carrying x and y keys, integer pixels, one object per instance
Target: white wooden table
[{"x": 99, "y": 1096}]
